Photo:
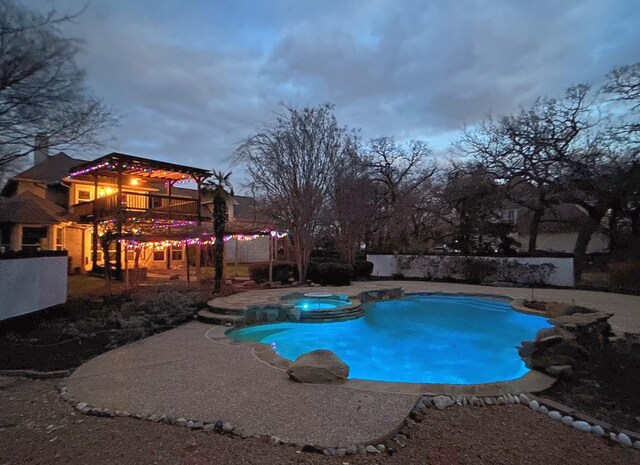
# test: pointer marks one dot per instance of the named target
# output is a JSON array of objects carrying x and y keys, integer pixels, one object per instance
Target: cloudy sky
[{"x": 192, "y": 78}]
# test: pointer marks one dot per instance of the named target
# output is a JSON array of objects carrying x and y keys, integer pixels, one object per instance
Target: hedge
[{"x": 282, "y": 271}]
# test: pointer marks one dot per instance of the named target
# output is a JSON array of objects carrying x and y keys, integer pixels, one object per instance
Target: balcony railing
[{"x": 150, "y": 205}]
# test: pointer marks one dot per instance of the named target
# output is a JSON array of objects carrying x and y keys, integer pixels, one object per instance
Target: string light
[
  {"x": 126, "y": 166},
  {"x": 133, "y": 244}
]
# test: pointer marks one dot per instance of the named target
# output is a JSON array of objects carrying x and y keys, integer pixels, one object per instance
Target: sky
[{"x": 192, "y": 79}]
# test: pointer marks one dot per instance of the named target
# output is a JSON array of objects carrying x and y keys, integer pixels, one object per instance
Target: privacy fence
[{"x": 520, "y": 271}]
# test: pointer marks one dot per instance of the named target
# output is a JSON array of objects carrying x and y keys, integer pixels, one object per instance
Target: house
[
  {"x": 558, "y": 229},
  {"x": 124, "y": 209}
]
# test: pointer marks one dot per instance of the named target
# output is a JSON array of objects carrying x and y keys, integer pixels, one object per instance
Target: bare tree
[
  {"x": 623, "y": 86},
  {"x": 473, "y": 195},
  {"x": 292, "y": 166},
  {"x": 526, "y": 150},
  {"x": 398, "y": 172},
  {"x": 42, "y": 88},
  {"x": 353, "y": 205}
]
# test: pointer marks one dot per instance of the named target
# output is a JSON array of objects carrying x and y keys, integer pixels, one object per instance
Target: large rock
[
  {"x": 319, "y": 367},
  {"x": 574, "y": 339}
]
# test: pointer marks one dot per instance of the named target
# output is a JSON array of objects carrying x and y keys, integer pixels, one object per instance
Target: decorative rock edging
[
  {"x": 581, "y": 422},
  {"x": 553, "y": 410},
  {"x": 219, "y": 426},
  {"x": 34, "y": 374}
]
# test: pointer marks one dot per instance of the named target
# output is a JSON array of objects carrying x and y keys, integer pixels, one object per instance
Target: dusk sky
[{"x": 192, "y": 78}]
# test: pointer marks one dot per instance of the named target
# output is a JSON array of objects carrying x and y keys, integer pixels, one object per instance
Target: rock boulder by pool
[{"x": 319, "y": 367}]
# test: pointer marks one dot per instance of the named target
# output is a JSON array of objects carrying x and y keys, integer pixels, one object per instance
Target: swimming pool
[{"x": 417, "y": 339}]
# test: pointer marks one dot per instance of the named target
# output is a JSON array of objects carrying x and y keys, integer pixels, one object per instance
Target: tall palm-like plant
[{"x": 221, "y": 188}]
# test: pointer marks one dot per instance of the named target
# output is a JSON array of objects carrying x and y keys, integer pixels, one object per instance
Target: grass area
[
  {"x": 79, "y": 286},
  {"x": 230, "y": 271}
]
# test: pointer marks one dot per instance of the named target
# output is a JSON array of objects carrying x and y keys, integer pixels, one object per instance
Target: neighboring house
[
  {"x": 558, "y": 229},
  {"x": 71, "y": 204}
]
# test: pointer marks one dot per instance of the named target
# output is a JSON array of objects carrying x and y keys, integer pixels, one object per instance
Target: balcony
[{"x": 134, "y": 204}]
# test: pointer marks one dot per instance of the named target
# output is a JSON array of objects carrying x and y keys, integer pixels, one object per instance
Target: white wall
[
  {"x": 31, "y": 284},
  {"x": 562, "y": 275},
  {"x": 256, "y": 250}
]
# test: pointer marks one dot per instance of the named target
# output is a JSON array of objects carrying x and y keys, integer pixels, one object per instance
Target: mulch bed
[
  {"x": 64, "y": 337},
  {"x": 608, "y": 387}
]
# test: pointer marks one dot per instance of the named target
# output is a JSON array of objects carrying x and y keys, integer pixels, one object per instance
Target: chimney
[{"x": 41, "y": 149}]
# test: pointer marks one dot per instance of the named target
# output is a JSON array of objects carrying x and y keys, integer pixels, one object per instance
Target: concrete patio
[{"x": 196, "y": 372}]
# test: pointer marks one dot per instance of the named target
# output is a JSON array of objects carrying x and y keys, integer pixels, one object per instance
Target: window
[
  {"x": 84, "y": 195},
  {"x": 176, "y": 255},
  {"x": 34, "y": 238},
  {"x": 158, "y": 255},
  {"x": 59, "y": 232}
]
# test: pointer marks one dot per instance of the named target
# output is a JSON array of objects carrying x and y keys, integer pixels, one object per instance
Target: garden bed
[
  {"x": 607, "y": 388},
  {"x": 66, "y": 336}
]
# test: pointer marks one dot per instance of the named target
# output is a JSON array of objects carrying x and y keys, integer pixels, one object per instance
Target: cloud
[{"x": 193, "y": 79}]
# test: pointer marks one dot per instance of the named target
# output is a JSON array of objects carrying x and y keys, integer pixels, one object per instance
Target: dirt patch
[
  {"x": 607, "y": 387},
  {"x": 36, "y": 427}
]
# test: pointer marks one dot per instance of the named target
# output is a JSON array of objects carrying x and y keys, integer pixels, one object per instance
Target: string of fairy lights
[
  {"x": 135, "y": 244},
  {"x": 126, "y": 166},
  {"x": 159, "y": 224}
]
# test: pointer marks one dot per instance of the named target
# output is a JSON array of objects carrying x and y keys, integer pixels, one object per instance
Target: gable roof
[
  {"x": 51, "y": 170},
  {"x": 564, "y": 217},
  {"x": 28, "y": 208}
]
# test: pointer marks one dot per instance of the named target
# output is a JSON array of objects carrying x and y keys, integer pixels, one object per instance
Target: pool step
[
  {"x": 335, "y": 314},
  {"x": 226, "y": 311},
  {"x": 208, "y": 316}
]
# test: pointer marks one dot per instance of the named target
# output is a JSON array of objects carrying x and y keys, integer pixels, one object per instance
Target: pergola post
[
  {"x": 198, "y": 180},
  {"x": 94, "y": 238},
  {"x": 270, "y": 258},
  {"x": 119, "y": 226}
]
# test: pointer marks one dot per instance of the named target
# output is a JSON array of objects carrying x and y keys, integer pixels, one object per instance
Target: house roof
[
  {"x": 564, "y": 217},
  {"x": 51, "y": 170},
  {"x": 137, "y": 166},
  {"x": 28, "y": 208}
]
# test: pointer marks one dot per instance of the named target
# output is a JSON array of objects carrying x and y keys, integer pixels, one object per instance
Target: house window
[
  {"x": 84, "y": 195},
  {"x": 158, "y": 255},
  {"x": 59, "y": 233},
  {"x": 510, "y": 216},
  {"x": 34, "y": 238},
  {"x": 176, "y": 255}
]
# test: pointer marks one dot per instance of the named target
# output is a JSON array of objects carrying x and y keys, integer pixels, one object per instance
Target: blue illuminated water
[
  {"x": 417, "y": 339},
  {"x": 309, "y": 303}
]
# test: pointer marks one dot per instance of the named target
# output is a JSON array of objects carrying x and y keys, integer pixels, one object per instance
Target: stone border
[
  {"x": 219, "y": 426},
  {"x": 570, "y": 417},
  {"x": 399, "y": 435},
  {"x": 553, "y": 410},
  {"x": 34, "y": 374}
]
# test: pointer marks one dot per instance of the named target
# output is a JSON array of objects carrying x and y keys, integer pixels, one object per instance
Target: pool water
[
  {"x": 416, "y": 339},
  {"x": 311, "y": 303}
]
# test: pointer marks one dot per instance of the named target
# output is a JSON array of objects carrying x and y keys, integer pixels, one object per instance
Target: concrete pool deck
[
  {"x": 196, "y": 372},
  {"x": 184, "y": 372},
  {"x": 625, "y": 308}
]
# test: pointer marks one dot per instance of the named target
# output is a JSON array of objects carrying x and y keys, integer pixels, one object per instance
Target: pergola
[{"x": 143, "y": 208}]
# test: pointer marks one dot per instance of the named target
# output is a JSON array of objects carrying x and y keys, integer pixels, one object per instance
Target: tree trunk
[
  {"x": 533, "y": 230},
  {"x": 219, "y": 220},
  {"x": 587, "y": 228}
]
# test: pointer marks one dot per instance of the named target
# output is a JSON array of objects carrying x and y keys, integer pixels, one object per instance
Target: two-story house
[{"x": 129, "y": 207}]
